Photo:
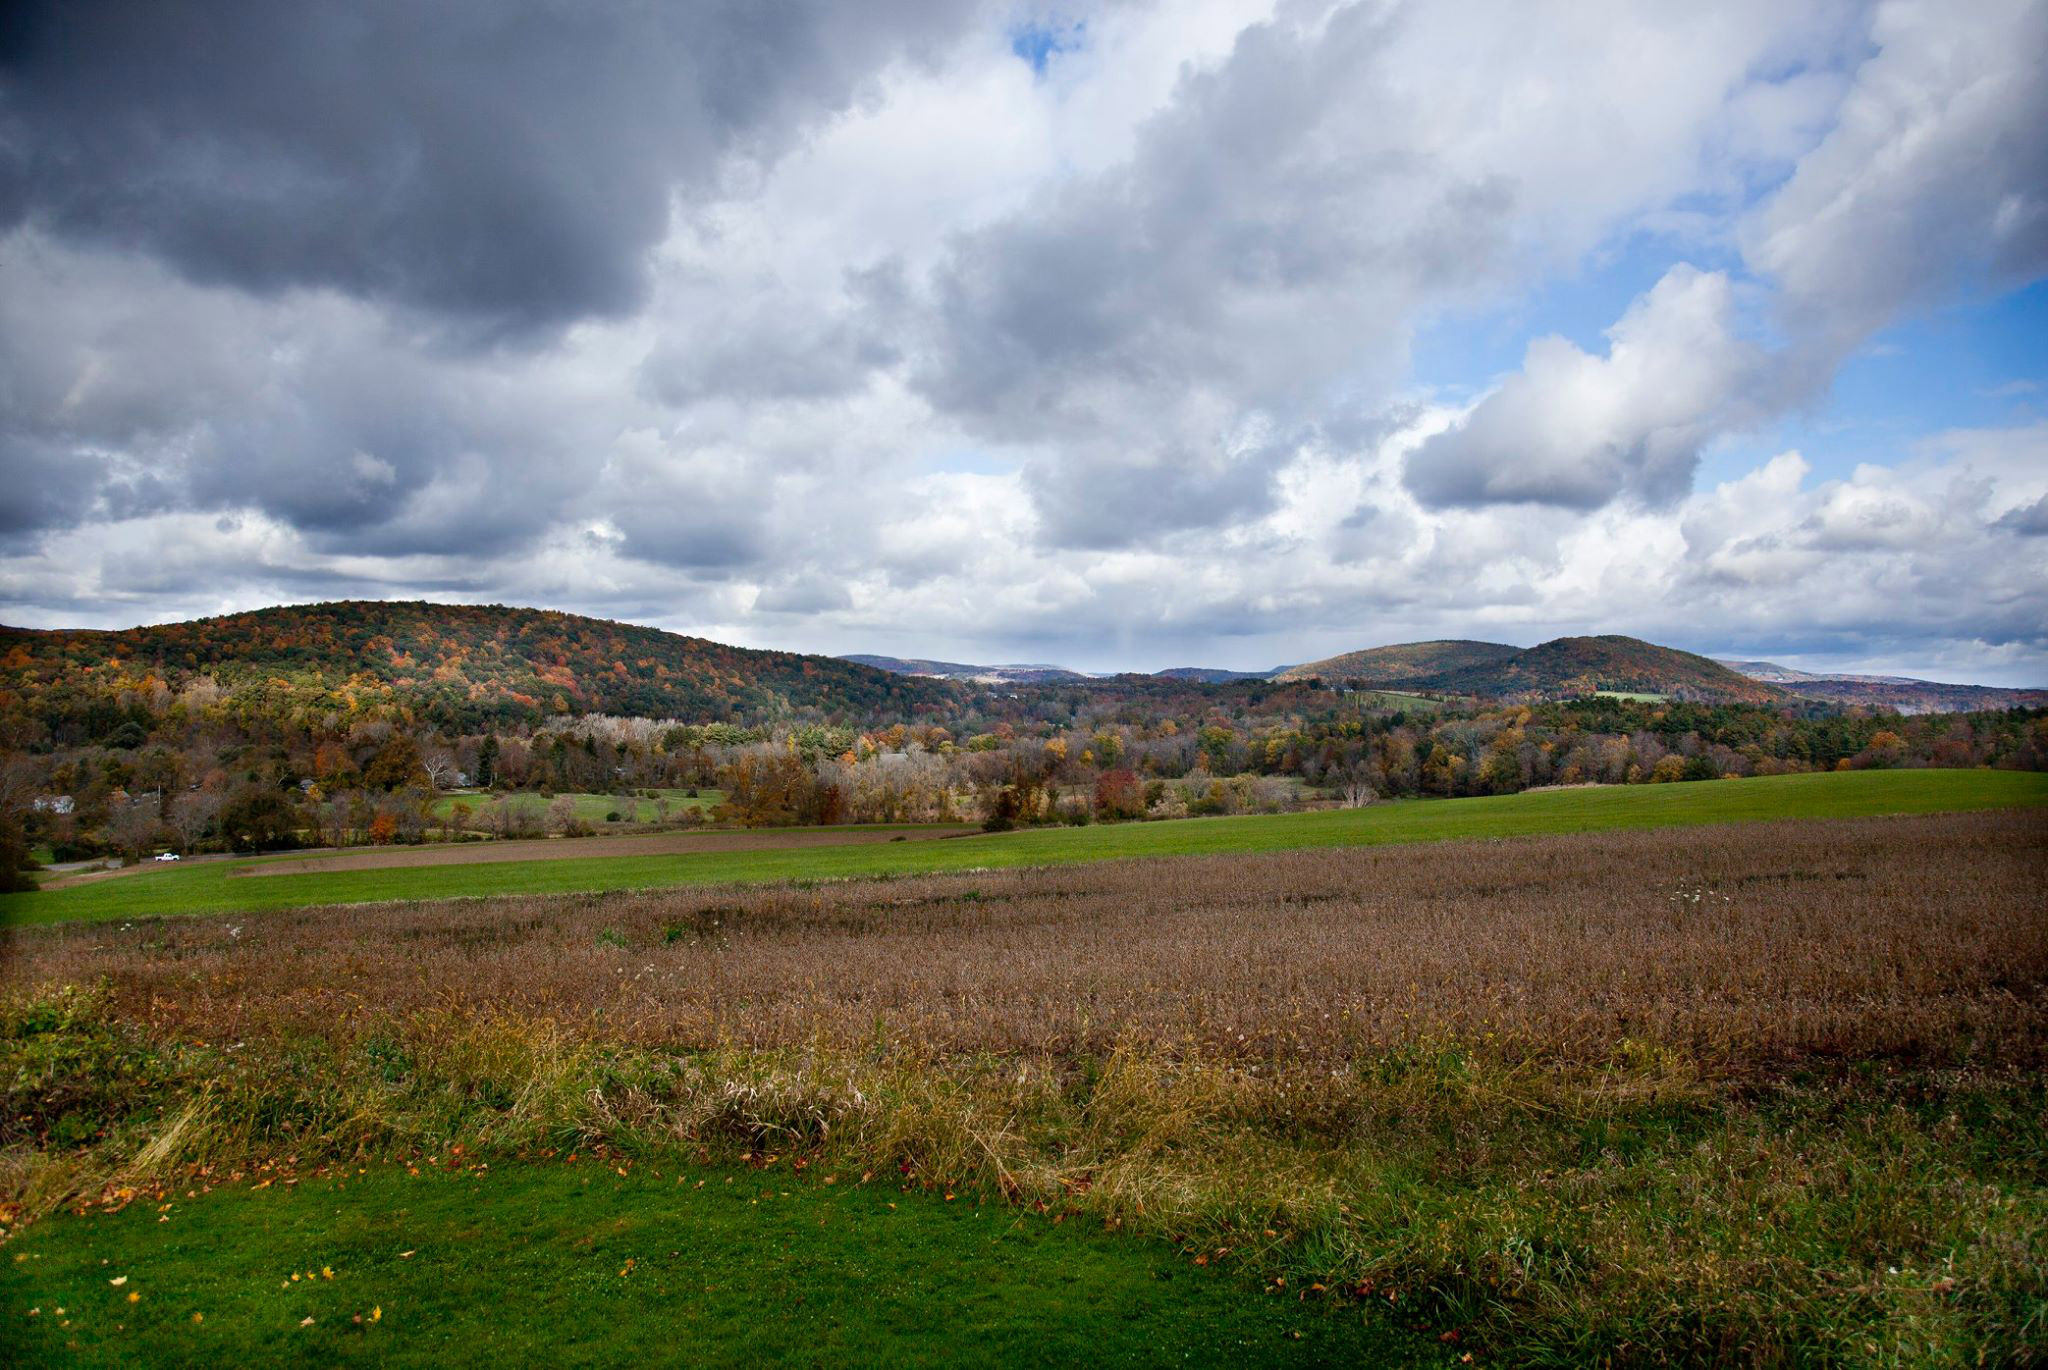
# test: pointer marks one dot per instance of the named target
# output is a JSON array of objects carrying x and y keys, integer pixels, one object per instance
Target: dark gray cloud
[
  {"x": 131, "y": 393},
  {"x": 1107, "y": 500},
  {"x": 770, "y": 343},
  {"x": 506, "y": 164},
  {"x": 2029, "y": 520}
]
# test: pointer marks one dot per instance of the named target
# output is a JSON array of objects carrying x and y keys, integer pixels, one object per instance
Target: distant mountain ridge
[
  {"x": 1040, "y": 674},
  {"x": 1025, "y": 674},
  {"x": 1563, "y": 666},
  {"x": 467, "y": 664},
  {"x": 1901, "y": 693},
  {"x": 1211, "y": 675}
]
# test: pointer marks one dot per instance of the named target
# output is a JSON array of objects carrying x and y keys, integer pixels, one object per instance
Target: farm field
[
  {"x": 594, "y": 809},
  {"x": 1757, "y": 1092},
  {"x": 213, "y": 887},
  {"x": 1398, "y": 699}
]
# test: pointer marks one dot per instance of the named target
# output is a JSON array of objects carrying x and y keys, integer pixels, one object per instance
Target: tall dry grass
[{"x": 1744, "y": 947}]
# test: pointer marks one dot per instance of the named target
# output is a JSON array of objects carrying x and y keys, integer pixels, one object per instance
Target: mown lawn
[
  {"x": 551, "y": 1263},
  {"x": 209, "y": 888}
]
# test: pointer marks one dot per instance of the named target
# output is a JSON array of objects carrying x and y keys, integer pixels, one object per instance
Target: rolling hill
[
  {"x": 1419, "y": 665},
  {"x": 1564, "y": 666},
  {"x": 1211, "y": 675},
  {"x": 461, "y": 664}
]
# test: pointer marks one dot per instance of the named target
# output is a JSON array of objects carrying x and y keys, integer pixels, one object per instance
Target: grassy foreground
[
  {"x": 603, "y": 1262},
  {"x": 211, "y": 887}
]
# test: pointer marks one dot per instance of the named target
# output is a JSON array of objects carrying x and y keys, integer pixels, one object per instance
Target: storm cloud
[{"x": 506, "y": 165}]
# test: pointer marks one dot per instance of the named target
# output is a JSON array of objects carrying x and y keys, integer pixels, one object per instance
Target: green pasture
[
  {"x": 1395, "y": 699},
  {"x": 208, "y": 887},
  {"x": 590, "y": 808},
  {"x": 1632, "y": 696},
  {"x": 548, "y": 1264}
]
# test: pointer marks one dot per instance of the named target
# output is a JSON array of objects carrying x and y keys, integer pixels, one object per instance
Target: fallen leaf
[{"x": 118, "y": 1281}]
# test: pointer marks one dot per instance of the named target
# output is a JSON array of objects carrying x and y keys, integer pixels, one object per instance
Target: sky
[{"x": 1124, "y": 336}]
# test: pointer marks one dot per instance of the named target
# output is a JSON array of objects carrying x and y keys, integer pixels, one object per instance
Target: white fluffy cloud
[
  {"x": 1931, "y": 177},
  {"x": 1580, "y": 431}
]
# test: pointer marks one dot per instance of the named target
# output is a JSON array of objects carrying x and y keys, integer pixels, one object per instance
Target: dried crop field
[
  {"x": 1770, "y": 1091},
  {"x": 1915, "y": 938}
]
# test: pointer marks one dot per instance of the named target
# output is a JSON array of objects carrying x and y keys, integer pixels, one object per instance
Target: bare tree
[
  {"x": 441, "y": 766},
  {"x": 1354, "y": 785},
  {"x": 562, "y": 815},
  {"x": 192, "y": 813},
  {"x": 132, "y": 827}
]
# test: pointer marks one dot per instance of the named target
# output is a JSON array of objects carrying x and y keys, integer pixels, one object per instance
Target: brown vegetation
[{"x": 1919, "y": 938}]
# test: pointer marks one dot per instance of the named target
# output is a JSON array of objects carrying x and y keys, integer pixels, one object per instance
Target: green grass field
[
  {"x": 1632, "y": 696},
  {"x": 590, "y": 808},
  {"x": 208, "y": 888},
  {"x": 548, "y": 1263},
  {"x": 1397, "y": 699}
]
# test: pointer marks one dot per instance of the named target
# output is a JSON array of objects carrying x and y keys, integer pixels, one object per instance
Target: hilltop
[
  {"x": 1211, "y": 675},
  {"x": 1418, "y": 665},
  {"x": 461, "y": 663},
  {"x": 1563, "y": 666}
]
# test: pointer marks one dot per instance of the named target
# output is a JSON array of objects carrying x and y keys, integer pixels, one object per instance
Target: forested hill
[
  {"x": 1415, "y": 665},
  {"x": 1563, "y": 667},
  {"x": 450, "y": 665}
]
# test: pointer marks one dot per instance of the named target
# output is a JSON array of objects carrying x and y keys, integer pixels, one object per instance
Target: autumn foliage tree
[
  {"x": 396, "y": 765},
  {"x": 1119, "y": 795},
  {"x": 778, "y": 791}
]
